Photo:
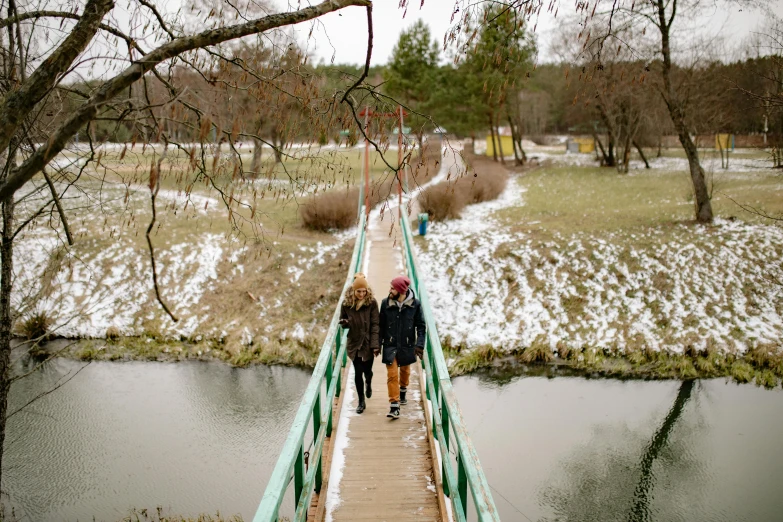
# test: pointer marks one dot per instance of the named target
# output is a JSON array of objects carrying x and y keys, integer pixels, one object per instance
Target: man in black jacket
[{"x": 403, "y": 331}]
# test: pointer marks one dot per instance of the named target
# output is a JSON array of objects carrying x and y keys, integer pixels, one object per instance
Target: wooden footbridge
[{"x": 337, "y": 465}]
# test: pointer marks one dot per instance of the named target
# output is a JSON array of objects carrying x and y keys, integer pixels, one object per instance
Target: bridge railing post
[
  {"x": 328, "y": 370},
  {"x": 446, "y": 415}
]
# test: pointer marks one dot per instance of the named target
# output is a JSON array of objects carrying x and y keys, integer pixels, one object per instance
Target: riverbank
[
  {"x": 763, "y": 367},
  {"x": 606, "y": 274}
]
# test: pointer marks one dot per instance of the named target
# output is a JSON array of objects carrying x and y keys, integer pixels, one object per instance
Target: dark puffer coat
[
  {"x": 362, "y": 327},
  {"x": 402, "y": 330}
]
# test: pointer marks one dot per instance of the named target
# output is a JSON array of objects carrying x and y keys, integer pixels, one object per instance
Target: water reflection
[
  {"x": 640, "y": 511},
  {"x": 572, "y": 449},
  {"x": 192, "y": 437},
  {"x": 613, "y": 477}
]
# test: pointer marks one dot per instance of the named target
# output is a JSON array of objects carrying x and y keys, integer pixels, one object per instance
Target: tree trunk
[
  {"x": 626, "y": 163},
  {"x": 277, "y": 142},
  {"x": 492, "y": 139},
  {"x": 500, "y": 145},
  {"x": 604, "y": 158},
  {"x": 641, "y": 153},
  {"x": 255, "y": 164},
  {"x": 703, "y": 206},
  {"x": 610, "y": 134},
  {"x": 6, "y": 319},
  {"x": 660, "y": 145},
  {"x": 610, "y": 159},
  {"x": 517, "y": 159}
]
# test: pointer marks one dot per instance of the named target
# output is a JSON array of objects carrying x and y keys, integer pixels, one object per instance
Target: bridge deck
[{"x": 386, "y": 465}]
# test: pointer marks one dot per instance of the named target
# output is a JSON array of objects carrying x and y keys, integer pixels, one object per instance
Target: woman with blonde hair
[{"x": 359, "y": 315}]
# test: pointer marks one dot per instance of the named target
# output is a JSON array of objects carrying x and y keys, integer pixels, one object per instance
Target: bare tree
[{"x": 60, "y": 84}]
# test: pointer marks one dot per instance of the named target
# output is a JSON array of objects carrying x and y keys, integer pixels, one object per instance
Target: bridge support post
[
  {"x": 339, "y": 374},
  {"x": 444, "y": 419},
  {"x": 462, "y": 484},
  {"x": 317, "y": 416},
  {"x": 299, "y": 473}
]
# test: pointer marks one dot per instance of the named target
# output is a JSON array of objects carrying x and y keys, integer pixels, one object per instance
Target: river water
[{"x": 204, "y": 437}]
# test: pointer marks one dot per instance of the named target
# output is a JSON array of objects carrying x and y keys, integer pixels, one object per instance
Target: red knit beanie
[{"x": 401, "y": 284}]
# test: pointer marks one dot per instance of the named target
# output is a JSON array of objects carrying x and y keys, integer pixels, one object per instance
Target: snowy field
[
  {"x": 221, "y": 285},
  {"x": 639, "y": 288}
]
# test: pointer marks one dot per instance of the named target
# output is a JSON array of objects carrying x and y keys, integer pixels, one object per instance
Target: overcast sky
[{"x": 344, "y": 35}]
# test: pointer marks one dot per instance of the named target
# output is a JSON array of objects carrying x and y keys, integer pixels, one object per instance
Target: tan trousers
[{"x": 397, "y": 377}]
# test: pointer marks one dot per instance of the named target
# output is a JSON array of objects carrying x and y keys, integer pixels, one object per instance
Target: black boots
[
  {"x": 368, "y": 393},
  {"x": 394, "y": 413},
  {"x": 403, "y": 400},
  {"x": 361, "y": 406}
]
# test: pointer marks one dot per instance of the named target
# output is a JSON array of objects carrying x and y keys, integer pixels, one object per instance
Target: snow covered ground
[
  {"x": 104, "y": 281},
  {"x": 652, "y": 288},
  {"x": 710, "y": 162}
]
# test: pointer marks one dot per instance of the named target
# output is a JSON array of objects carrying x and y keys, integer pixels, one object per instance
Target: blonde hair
[{"x": 350, "y": 300}]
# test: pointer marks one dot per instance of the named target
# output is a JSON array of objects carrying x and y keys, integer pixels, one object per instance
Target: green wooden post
[
  {"x": 426, "y": 366},
  {"x": 336, "y": 353},
  {"x": 329, "y": 368},
  {"x": 462, "y": 483},
  {"x": 444, "y": 419},
  {"x": 316, "y": 431},
  {"x": 299, "y": 472},
  {"x": 319, "y": 473},
  {"x": 329, "y": 421},
  {"x": 446, "y": 490},
  {"x": 317, "y": 415}
]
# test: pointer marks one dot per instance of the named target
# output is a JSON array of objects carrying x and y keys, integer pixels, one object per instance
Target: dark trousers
[{"x": 361, "y": 370}]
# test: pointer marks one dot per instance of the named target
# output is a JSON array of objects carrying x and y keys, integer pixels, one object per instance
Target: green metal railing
[
  {"x": 447, "y": 421},
  {"x": 307, "y": 473}
]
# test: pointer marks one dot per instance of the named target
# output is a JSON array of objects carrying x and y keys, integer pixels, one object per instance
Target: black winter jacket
[{"x": 402, "y": 329}]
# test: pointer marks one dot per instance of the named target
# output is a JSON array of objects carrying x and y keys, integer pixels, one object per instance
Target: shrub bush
[
  {"x": 441, "y": 202},
  {"x": 333, "y": 210},
  {"x": 36, "y": 326},
  {"x": 336, "y": 209},
  {"x": 446, "y": 200}
]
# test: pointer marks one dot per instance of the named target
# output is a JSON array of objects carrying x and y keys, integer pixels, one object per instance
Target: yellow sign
[
  {"x": 724, "y": 142},
  {"x": 506, "y": 145}
]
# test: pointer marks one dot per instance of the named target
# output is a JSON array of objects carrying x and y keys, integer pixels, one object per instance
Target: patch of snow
[
  {"x": 341, "y": 443},
  {"x": 108, "y": 287},
  {"x": 508, "y": 289},
  {"x": 298, "y": 333},
  {"x": 247, "y": 337}
]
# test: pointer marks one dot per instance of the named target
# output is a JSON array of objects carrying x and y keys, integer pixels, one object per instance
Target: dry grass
[
  {"x": 36, "y": 326},
  {"x": 446, "y": 200},
  {"x": 334, "y": 210},
  {"x": 337, "y": 209},
  {"x": 159, "y": 515}
]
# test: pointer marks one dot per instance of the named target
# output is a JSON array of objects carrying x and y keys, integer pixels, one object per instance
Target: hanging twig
[
  {"x": 154, "y": 187},
  {"x": 366, "y": 70}
]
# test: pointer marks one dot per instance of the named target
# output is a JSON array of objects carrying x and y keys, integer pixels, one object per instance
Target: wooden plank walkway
[{"x": 382, "y": 469}]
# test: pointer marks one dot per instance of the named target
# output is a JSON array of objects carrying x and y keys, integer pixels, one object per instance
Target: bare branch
[
  {"x": 750, "y": 209},
  {"x": 18, "y": 103},
  {"x": 111, "y": 88},
  {"x": 154, "y": 188},
  {"x": 56, "y": 198},
  {"x": 369, "y": 55}
]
